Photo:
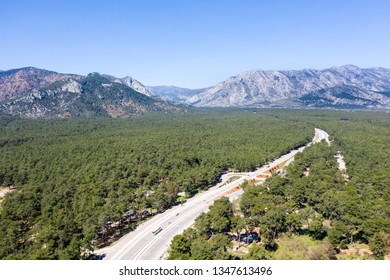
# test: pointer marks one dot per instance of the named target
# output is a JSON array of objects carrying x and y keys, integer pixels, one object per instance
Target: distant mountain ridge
[
  {"x": 33, "y": 93},
  {"x": 175, "y": 94},
  {"x": 337, "y": 87}
]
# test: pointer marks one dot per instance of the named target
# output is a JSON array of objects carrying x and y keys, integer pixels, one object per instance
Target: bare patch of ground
[
  {"x": 356, "y": 251},
  {"x": 4, "y": 191},
  {"x": 342, "y": 166}
]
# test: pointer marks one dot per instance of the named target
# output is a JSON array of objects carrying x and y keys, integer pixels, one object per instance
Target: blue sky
[{"x": 192, "y": 43}]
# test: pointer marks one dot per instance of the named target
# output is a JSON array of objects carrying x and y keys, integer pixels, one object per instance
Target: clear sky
[{"x": 193, "y": 43}]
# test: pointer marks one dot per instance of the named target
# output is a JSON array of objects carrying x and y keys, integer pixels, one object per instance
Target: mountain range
[
  {"x": 30, "y": 92},
  {"x": 338, "y": 87}
]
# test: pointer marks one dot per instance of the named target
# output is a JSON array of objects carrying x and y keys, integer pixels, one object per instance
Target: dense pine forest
[
  {"x": 78, "y": 184},
  {"x": 314, "y": 210}
]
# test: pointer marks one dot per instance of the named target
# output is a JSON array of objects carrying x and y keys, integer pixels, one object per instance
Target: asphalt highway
[{"x": 143, "y": 244}]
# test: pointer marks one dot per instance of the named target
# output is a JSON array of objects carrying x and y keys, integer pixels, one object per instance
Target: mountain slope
[
  {"x": 132, "y": 83},
  {"x": 301, "y": 88},
  {"x": 17, "y": 81},
  {"x": 48, "y": 94}
]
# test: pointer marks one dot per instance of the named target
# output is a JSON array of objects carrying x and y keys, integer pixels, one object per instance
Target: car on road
[{"x": 157, "y": 231}]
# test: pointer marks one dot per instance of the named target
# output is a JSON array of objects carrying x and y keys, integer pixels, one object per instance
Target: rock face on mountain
[
  {"x": 338, "y": 87},
  {"x": 132, "y": 83},
  {"x": 17, "y": 81},
  {"x": 34, "y": 93}
]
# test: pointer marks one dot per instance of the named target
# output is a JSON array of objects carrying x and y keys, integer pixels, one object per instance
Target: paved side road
[{"x": 143, "y": 244}]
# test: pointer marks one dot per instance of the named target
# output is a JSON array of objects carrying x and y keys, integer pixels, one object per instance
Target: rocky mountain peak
[{"x": 285, "y": 88}]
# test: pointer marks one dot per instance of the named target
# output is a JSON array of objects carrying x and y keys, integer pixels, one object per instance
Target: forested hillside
[
  {"x": 313, "y": 211},
  {"x": 81, "y": 182},
  {"x": 39, "y": 93}
]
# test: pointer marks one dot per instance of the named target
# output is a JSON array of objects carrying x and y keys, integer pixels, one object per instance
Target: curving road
[
  {"x": 142, "y": 244},
  {"x": 320, "y": 135}
]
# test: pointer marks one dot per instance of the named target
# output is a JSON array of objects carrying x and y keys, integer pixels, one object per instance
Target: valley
[{"x": 82, "y": 184}]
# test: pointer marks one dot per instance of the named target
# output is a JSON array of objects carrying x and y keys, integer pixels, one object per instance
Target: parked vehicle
[{"x": 251, "y": 237}]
